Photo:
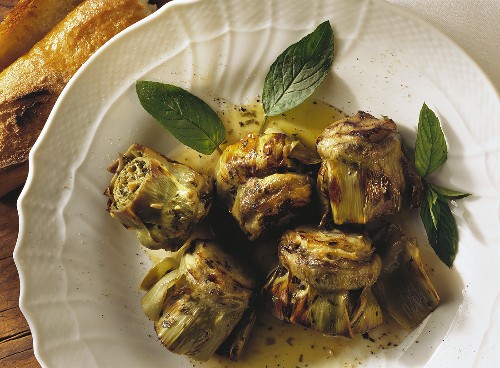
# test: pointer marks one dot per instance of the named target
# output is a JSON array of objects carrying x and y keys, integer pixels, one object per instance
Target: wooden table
[{"x": 16, "y": 343}]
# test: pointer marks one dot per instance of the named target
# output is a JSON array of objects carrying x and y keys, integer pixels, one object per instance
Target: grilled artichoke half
[
  {"x": 261, "y": 180},
  {"x": 403, "y": 288},
  {"x": 200, "y": 299},
  {"x": 162, "y": 200},
  {"x": 364, "y": 173},
  {"x": 324, "y": 281}
]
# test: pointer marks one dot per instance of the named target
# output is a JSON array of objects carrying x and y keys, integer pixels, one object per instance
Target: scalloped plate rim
[{"x": 23, "y": 206}]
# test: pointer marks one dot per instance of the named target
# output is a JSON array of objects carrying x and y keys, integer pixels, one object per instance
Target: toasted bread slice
[
  {"x": 30, "y": 86},
  {"x": 27, "y": 23}
]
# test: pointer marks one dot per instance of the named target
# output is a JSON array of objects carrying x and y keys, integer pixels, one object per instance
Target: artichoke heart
[
  {"x": 269, "y": 202},
  {"x": 403, "y": 288},
  {"x": 364, "y": 173},
  {"x": 330, "y": 259},
  {"x": 196, "y": 306},
  {"x": 323, "y": 282},
  {"x": 162, "y": 200},
  {"x": 261, "y": 181}
]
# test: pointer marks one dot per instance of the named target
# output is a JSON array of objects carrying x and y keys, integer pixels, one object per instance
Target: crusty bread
[
  {"x": 27, "y": 23},
  {"x": 30, "y": 86},
  {"x": 5, "y": 8}
]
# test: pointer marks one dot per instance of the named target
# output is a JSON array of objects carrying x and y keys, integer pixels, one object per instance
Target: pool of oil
[{"x": 305, "y": 122}]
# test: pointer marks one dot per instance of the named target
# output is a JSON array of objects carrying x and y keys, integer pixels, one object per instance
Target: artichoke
[
  {"x": 403, "y": 288},
  {"x": 329, "y": 259},
  {"x": 364, "y": 173},
  {"x": 234, "y": 345},
  {"x": 324, "y": 280},
  {"x": 162, "y": 200},
  {"x": 271, "y": 201},
  {"x": 198, "y": 302},
  {"x": 261, "y": 180}
]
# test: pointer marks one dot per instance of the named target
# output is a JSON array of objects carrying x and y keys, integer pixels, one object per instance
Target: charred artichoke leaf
[
  {"x": 204, "y": 300},
  {"x": 329, "y": 314},
  {"x": 270, "y": 202},
  {"x": 170, "y": 262},
  {"x": 156, "y": 272},
  {"x": 152, "y": 301},
  {"x": 162, "y": 200},
  {"x": 298, "y": 151},
  {"x": 292, "y": 300},
  {"x": 258, "y": 156},
  {"x": 234, "y": 345},
  {"x": 367, "y": 314},
  {"x": 191, "y": 326},
  {"x": 323, "y": 281},
  {"x": 364, "y": 173},
  {"x": 303, "y": 154},
  {"x": 403, "y": 288},
  {"x": 261, "y": 182},
  {"x": 159, "y": 279},
  {"x": 329, "y": 260}
]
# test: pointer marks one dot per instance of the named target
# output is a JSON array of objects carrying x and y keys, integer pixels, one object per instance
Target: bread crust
[
  {"x": 12, "y": 177},
  {"x": 27, "y": 23},
  {"x": 30, "y": 86}
]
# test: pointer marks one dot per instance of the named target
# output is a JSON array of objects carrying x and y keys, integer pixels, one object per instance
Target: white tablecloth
[{"x": 474, "y": 25}]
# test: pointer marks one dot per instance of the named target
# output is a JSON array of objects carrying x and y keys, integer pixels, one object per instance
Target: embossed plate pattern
[{"x": 79, "y": 269}]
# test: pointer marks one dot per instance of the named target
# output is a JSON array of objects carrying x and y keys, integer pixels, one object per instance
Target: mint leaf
[
  {"x": 430, "y": 148},
  {"x": 186, "y": 116},
  {"x": 448, "y": 193},
  {"x": 444, "y": 237},
  {"x": 430, "y": 154},
  {"x": 434, "y": 208},
  {"x": 298, "y": 71},
  {"x": 426, "y": 216}
]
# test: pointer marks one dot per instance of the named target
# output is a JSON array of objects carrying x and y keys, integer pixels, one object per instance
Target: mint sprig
[
  {"x": 442, "y": 234},
  {"x": 298, "y": 71},
  {"x": 430, "y": 149},
  {"x": 186, "y": 116},
  {"x": 448, "y": 193},
  {"x": 430, "y": 154},
  {"x": 292, "y": 78}
]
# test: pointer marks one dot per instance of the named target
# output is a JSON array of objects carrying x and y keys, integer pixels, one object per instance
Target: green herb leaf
[
  {"x": 442, "y": 236},
  {"x": 430, "y": 153},
  {"x": 186, "y": 116},
  {"x": 430, "y": 148},
  {"x": 298, "y": 71},
  {"x": 448, "y": 193},
  {"x": 432, "y": 198},
  {"x": 425, "y": 215}
]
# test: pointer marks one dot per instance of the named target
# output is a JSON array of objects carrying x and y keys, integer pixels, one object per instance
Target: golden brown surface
[
  {"x": 28, "y": 22},
  {"x": 5, "y": 7},
  {"x": 30, "y": 86}
]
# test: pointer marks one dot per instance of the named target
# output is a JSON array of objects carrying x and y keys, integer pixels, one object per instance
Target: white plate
[{"x": 80, "y": 269}]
